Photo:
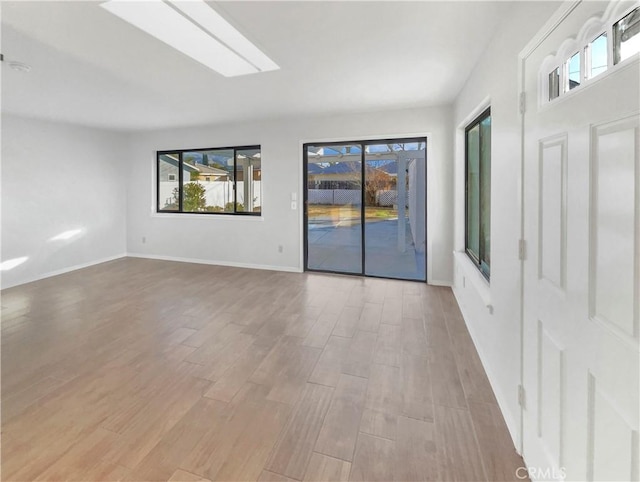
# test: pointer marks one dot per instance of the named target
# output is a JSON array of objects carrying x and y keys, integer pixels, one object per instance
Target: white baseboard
[
  {"x": 216, "y": 263},
  {"x": 512, "y": 421},
  {"x": 63, "y": 271},
  {"x": 438, "y": 282}
]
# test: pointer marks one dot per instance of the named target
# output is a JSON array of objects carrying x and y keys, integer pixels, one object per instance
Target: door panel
[
  {"x": 581, "y": 275},
  {"x": 334, "y": 201},
  {"x": 395, "y": 244},
  {"x": 614, "y": 204}
]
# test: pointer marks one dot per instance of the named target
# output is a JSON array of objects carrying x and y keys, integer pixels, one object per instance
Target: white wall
[
  {"x": 494, "y": 80},
  {"x": 255, "y": 241},
  {"x": 58, "y": 178}
]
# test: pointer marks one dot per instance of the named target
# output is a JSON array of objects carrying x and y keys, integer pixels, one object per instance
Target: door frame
[{"x": 362, "y": 142}]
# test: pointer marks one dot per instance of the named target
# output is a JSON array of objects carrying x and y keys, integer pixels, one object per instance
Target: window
[
  {"x": 626, "y": 40},
  {"x": 554, "y": 83},
  {"x": 573, "y": 72},
  {"x": 598, "y": 56},
  {"x": 478, "y": 192},
  {"x": 210, "y": 181},
  {"x": 618, "y": 39}
]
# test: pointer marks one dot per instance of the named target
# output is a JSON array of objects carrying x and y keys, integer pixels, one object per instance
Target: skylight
[{"x": 195, "y": 29}]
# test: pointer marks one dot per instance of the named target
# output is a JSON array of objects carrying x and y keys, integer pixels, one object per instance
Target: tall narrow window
[
  {"x": 478, "y": 192},
  {"x": 598, "y": 56},
  {"x": 554, "y": 83},
  {"x": 573, "y": 72},
  {"x": 626, "y": 36},
  {"x": 168, "y": 174},
  {"x": 248, "y": 180}
]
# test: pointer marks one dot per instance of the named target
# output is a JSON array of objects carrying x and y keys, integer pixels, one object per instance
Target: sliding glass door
[{"x": 365, "y": 208}]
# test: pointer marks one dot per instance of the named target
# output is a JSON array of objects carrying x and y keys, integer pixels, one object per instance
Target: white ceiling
[{"x": 90, "y": 67}]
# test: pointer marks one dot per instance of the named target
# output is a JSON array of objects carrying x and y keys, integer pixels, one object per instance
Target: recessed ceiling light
[{"x": 190, "y": 27}]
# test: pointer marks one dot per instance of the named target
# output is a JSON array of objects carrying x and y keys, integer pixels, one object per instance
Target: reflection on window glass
[
  {"x": 598, "y": 55},
  {"x": 473, "y": 191},
  {"x": 626, "y": 40},
  {"x": 248, "y": 176},
  {"x": 573, "y": 71},
  {"x": 554, "y": 84},
  {"x": 485, "y": 194},
  {"x": 168, "y": 182}
]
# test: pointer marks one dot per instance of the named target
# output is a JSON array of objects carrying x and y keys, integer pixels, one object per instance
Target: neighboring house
[
  {"x": 169, "y": 169},
  {"x": 197, "y": 172},
  {"x": 207, "y": 173},
  {"x": 217, "y": 160},
  {"x": 346, "y": 175}
]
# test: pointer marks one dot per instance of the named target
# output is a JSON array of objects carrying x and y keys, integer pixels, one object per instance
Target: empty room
[{"x": 288, "y": 241}]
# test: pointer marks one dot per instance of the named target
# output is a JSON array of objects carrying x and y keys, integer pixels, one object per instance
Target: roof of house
[
  {"x": 345, "y": 168},
  {"x": 341, "y": 168},
  {"x": 199, "y": 168},
  {"x": 202, "y": 169},
  {"x": 389, "y": 168},
  {"x": 169, "y": 159}
]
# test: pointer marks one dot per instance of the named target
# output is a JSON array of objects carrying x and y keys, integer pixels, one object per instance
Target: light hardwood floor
[{"x": 146, "y": 370}]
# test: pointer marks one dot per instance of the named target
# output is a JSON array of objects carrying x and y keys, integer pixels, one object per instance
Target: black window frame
[
  {"x": 180, "y": 153},
  {"x": 480, "y": 260}
]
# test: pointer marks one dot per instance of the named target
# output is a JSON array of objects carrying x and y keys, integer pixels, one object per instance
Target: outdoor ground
[
  {"x": 335, "y": 238},
  {"x": 335, "y": 213}
]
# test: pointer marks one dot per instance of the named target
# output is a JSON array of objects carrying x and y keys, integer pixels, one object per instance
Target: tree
[
  {"x": 194, "y": 199},
  {"x": 376, "y": 180}
]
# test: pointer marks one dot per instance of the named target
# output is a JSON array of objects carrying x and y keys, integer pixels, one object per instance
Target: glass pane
[
  {"x": 626, "y": 40},
  {"x": 473, "y": 191},
  {"x": 334, "y": 201},
  {"x": 395, "y": 210},
  {"x": 573, "y": 71},
  {"x": 248, "y": 180},
  {"x": 208, "y": 181},
  {"x": 485, "y": 195},
  {"x": 554, "y": 84},
  {"x": 598, "y": 55},
  {"x": 168, "y": 192}
]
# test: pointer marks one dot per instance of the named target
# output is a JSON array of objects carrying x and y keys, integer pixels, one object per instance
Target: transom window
[
  {"x": 210, "y": 181},
  {"x": 596, "y": 56}
]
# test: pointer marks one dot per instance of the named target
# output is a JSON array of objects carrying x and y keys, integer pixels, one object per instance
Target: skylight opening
[
  {"x": 211, "y": 21},
  {"x": 196, "y": 30}
]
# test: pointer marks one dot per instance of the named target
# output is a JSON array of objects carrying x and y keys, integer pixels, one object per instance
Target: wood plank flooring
[{"x": 145, "y": 370}]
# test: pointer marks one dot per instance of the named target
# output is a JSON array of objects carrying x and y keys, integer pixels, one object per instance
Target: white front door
[{"x": 581, "y": 287}]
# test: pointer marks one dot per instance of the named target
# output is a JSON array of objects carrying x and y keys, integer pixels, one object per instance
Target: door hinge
[
  {"x": 522, "y": 250},
  {"x": 523, "y": 102},
  {"x": 522, "y": 397}
]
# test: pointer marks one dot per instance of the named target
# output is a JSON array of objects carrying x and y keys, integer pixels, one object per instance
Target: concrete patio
[{"x": 336, "y": 246}]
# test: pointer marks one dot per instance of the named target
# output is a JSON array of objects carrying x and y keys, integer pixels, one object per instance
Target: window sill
[
  {"x": 252, "y": 218},
  {"x": 473, "y": 275}
]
